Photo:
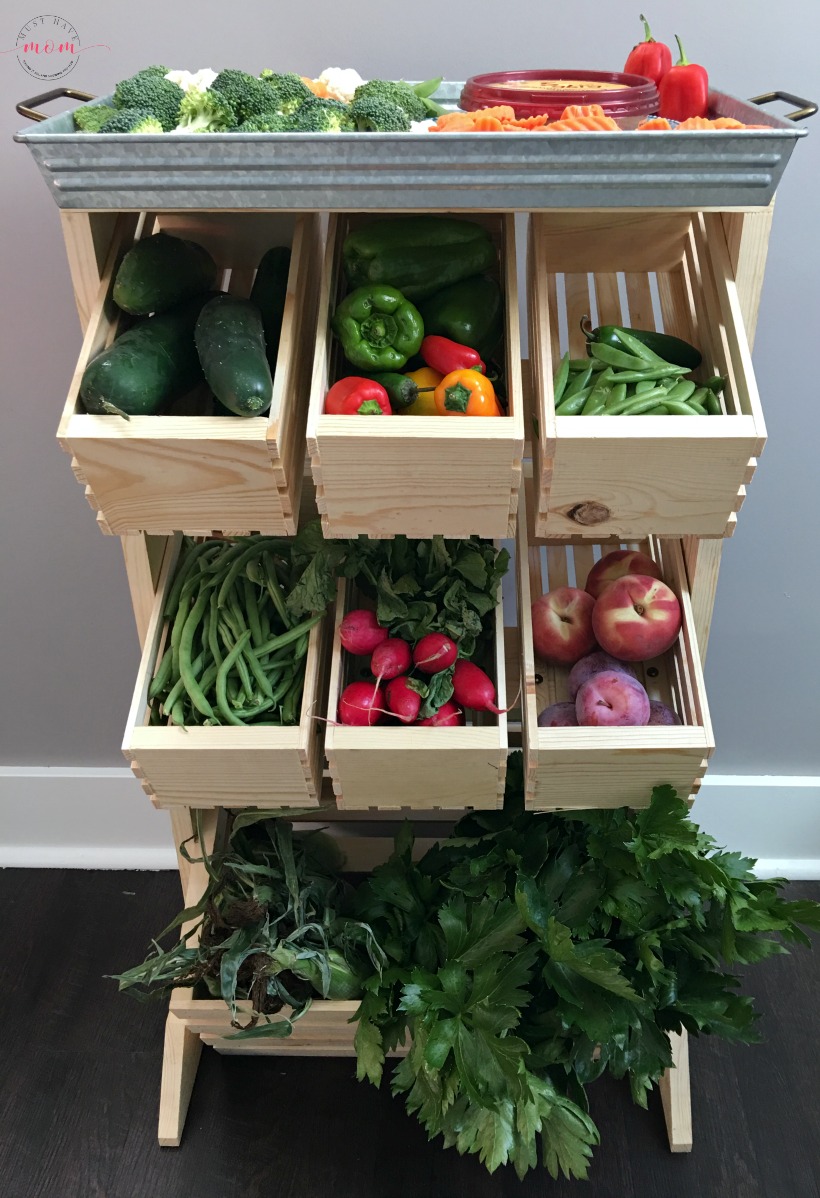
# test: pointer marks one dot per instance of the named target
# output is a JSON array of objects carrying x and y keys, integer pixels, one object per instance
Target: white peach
[{"x": 636, "y": 618}]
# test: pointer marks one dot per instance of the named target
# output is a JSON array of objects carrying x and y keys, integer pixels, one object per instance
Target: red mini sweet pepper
[
  {"x": 446, "y": 356},
  {"x": 684, "y": 90},
  {"x": 649, "y": 58},
  {"x": 356, "y": 396}
]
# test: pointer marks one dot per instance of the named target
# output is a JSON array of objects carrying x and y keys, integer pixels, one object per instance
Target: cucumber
[
  {"x": 230, "y": 340},
  {"x": 147, "y": 367},
  {"x": 269, "y": 292},
  {"x": 161, "y": 271}
]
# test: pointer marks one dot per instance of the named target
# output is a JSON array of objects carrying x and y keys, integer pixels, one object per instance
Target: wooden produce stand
[{"x": 666, "y": 242}]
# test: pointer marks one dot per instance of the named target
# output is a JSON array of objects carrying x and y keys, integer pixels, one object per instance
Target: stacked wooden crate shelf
[{"x": 693, "y": 272}]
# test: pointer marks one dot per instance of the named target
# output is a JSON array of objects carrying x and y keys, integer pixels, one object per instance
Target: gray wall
[{"x": 67, "y": 642}]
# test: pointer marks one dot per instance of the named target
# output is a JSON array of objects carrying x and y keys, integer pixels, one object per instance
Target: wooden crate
[
  {"x": 184, "y": 470},
  {"x": 415, "y": 475},
  {"x": 386, "y": 768},
  {"x": 601, "y": 476},
  {"x": 608, "y": 767},
  {"x": 226, "y": 766}
]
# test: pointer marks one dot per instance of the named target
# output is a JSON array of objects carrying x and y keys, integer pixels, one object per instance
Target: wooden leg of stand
[
  {"x": 183, "y": 1049},
  {"x": 676, "y": 1098}
]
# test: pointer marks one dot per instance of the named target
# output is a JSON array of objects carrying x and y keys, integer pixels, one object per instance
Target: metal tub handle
[
  {"x": 805, "y": 108},
  {"x": 27, "y": 107}
]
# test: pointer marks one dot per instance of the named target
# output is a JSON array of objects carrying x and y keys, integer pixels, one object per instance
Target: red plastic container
[{"x": 628, "y": 99}]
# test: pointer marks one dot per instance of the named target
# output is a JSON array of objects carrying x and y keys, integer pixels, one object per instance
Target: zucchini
[
  {"x": 269, "y": 292},
  {"x": 147, "y": 367},
  {"x": 161, "y": 271},
  {"x": 230, "y": 340}
]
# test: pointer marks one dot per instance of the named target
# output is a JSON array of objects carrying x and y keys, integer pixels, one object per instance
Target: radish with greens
[
  {"x": 434, "y": 653},
  {"x": 360, "y": 632},
  {"x": 473, "y": 688},
  {"x": 391, "y": 658},
  {"x": 403, "y": 700},
  {"x": 447, "y": 716},
  {"x": 361, "y": 704}
]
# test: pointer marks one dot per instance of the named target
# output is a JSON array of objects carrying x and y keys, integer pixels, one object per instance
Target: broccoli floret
[
  {"x": 323, "y": 116},
  {"x": 268, "y": 122},
  {"x": 247, "y": 95},
  {"x": 206, "y": 112},
  {"x": 372, "y": 114},
  {"x": 132, "y": 120},
  {"x": 90, "y": 118},
  {"x": 151, "y": 91},
  {"x": 399, "y": 93},
  {"x": 289, "y": 90}
]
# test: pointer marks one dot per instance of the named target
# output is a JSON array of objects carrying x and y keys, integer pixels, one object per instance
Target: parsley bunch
[{"x": 529, "y": 953}]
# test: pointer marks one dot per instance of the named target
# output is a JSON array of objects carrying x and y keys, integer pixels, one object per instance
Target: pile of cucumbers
[
  {"x": 185, "y": 331},
  {"x": 235, "y": 651},
  {"x": 634, "y": 372}
]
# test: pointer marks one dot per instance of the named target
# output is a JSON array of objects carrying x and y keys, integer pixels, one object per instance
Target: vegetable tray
[
  {"x": 616, "y": 476},
  {"x": 201, "y": 766},
  {"x": 608, "y": 767},
  {"x": 390, "y": 768},
  {"x": 189, "y": 470},
  {"x": 416, "y": 475},
  {"x": 386, "y": 171}
]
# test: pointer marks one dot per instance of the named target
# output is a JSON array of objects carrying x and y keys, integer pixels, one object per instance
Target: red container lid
[{"x": 535, "y": 93}]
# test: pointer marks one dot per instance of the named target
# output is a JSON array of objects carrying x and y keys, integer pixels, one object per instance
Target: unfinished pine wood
[
  {"x": 389, "y": 768},
  {"x": 418, "y": 475},
  {"x": 600, "y": 476},
  {"x": 199, "y": 472},
  {"x": 585, "y": 767},
  {"x": 87, "y": 236},
  {"x": 676, "y": 1095},
  {"x": 226, "y": 766}
]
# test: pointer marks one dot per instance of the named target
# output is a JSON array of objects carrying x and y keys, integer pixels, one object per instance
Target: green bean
[
  {"x": 239, "y": 563},
  {"x": 637, "y": 347},
  {"x": 302, "y": 646},
  {"x": 178, "y": 689},
  {"x": 274, "y": 590},
  {"x": 183, "y": 569},
  {"x": 250, "y": 713},
  {"x": 574, "y": 404},
  {"x": 284, "y": 684},
  {"x": 177, "y": 716},
  {"x": 163, "y": 674},
  {"x": 291, "y": 699},
  {"x": 675, "y": 408},
  {"x": 561, "y": 378},
  {"x": 257, "y": 671},
  {"x": 195, "y": 694},
  {"x": 292, "y": 634},
  {"x": 230, "y": 640},
  {"x": 617, "y": 394},
  {"x": 252, "y": 612},
  {"x": 616, "y": 357},
  {"x": 213, "y": 632},
  {"x": 652, "y": 372},
  {"x": 222, "y": 680},
  {"x": 578, "y": 384},
  {"x": 683, "y": 390},
  {"x": 264, "y": 622},
  {"x": 636, "y": 404}
]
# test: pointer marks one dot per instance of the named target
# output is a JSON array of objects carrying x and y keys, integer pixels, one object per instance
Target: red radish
[
  {"x": 391, "y": 658},
  {"x": 434, "y": 653},
  {"x": 361, "y": 704},
  {"x": 402, "y": 701},
  {"x": 473, "y": 688},
  {"x": 360, "y": 632},
  {"x": 447, "y": 716}
]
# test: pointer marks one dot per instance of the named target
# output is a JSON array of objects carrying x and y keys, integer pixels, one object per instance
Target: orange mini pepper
[{"x": 466, "y": 393}]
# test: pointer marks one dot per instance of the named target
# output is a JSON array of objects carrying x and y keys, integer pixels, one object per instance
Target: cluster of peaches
[{"x": 626, "y": 614}]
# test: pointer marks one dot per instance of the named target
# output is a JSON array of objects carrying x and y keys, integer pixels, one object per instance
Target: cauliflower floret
[
  {"x": 199, "y": 80},
  {"x": 340, "y": 82}
]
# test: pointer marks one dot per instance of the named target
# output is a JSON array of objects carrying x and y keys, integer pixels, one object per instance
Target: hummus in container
[{"x": 628, "y": 99}]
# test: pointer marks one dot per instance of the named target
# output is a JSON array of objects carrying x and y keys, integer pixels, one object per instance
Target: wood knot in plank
[{"x": 589, "y": 513}]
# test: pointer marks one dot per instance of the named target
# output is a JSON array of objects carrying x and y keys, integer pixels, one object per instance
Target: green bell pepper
[
  {"x": 417, "y": 254},
  {"x": 378, "y": 328},
  {"x": 470, "y": 312}
]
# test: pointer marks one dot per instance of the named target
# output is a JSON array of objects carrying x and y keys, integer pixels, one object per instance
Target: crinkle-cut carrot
[
  {"x": 501, "y": 112},
  {"x": 527, "y": 122},
  {"x": 581, "y": 124},
  {"x": 702, "y": 122},
  {"x": 576, "y": 110},
  {"x": 658, "y": 122},
  {"x": 487, "y": 124},
  {"x": 483, "y": 120}
]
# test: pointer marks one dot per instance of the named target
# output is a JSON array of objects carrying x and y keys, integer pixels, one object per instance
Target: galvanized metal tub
[{"x": 389, "y": 171}]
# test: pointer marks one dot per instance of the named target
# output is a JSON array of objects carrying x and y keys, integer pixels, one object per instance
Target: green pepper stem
[
  {"x": 456, "y": 398},
  {"x": 370, "y": 407},
  {"x": 647, "y": 31},
  {"x": 683, "y": 61}
]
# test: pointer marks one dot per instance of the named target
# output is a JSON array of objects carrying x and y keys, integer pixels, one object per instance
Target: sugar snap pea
[
  {"x": 634, "y": 405},
  {"x": 717, "y": 383},
  {"x": 578, "y": 383},
  {"x": 616, "y": 357},
  {"x": 561, "y": 378},
  {"x": 636, "y": 346},
  {"x": 617, "y": 394},
  {"x": 585, "y": 363},
  {"x": 651, "y": 372},
  {"x": 697, "y": 408},
  {"x": 677, "y": 408},
  {"x": 712, "y": 403},
  {"x": 574, "y": 404},
  {"x": 685, "y": 389}
]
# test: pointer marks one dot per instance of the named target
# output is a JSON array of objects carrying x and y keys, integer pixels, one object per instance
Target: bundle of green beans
[
  {"x": 632, "y": 381},
  {"x": 235, "y": 654}
]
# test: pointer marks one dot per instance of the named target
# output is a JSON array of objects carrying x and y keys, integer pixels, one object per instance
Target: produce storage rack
[{"x": 325, "y": 1030}]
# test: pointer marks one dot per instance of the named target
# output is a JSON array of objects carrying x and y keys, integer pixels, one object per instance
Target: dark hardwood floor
[{"x": 80, "y": 1068}]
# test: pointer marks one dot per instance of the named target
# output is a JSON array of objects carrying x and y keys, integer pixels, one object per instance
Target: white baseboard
[{"x": 76, "y": 818}]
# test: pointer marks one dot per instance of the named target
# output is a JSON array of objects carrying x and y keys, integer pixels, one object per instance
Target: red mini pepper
[
  {"x": 356, "y": 396},
  {"x": 649, "y": 58},
  {"x": 446, "y": 356},
  {"x": 684, "y": 90}
]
